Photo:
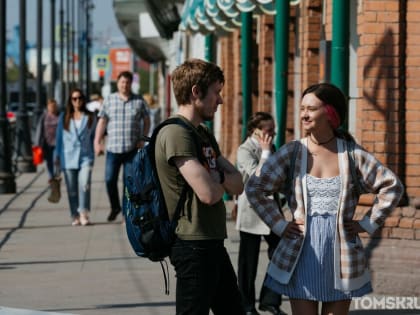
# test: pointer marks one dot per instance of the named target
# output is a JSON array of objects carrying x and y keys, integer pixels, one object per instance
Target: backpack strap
[{"x": 152, "y": 143}]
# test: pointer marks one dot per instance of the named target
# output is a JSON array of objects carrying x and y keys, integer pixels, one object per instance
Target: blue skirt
[{"x": 313, "y": 277}]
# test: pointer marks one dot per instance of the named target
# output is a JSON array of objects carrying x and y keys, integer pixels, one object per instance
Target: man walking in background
[{"x": 125, "y": 118}]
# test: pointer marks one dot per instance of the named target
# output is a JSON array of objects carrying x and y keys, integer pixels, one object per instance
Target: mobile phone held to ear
[{"x": 258, "y": 133}]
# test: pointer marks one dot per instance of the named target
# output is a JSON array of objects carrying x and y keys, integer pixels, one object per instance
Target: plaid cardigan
[{"x": 350, "y": 266}]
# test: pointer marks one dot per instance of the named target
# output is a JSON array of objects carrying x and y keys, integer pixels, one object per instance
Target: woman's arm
[
  {"x": 270, "y": 180},
  {"x": 381, "y": 181}
]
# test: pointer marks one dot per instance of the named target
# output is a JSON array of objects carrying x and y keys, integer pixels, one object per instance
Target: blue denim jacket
[{"x": 74, "y": 147}]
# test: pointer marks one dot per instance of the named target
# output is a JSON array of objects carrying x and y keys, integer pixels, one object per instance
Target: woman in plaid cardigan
[{"x": 320, "y": 257}]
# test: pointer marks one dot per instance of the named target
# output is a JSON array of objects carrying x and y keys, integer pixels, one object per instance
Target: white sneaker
[
  {"x": 84, "y": 219},
  {"x": 76, "y": 221}
]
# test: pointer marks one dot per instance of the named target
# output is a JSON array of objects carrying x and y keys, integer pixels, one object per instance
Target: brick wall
[
  {"x": 379, "y": 106},
  {"x": 265, "y": 69},
  {"x": 386, "y": 107},
  {"x": 388, "y": 104},
  {"x": 310, "y": 35},
  {"x": 232, "y": 100},
  {"x": 412, "y": 105},
  {"x": 266, "y": 58}
]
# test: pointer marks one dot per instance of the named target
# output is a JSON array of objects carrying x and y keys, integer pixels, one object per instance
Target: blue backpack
[{"x": 149, "y": 229}]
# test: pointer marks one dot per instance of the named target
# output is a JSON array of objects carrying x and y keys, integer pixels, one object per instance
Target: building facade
[{"x": 384, "y": 89}]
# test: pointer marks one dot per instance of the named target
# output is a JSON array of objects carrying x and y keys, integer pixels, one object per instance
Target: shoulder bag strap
[{"x": 186, "y": 188}]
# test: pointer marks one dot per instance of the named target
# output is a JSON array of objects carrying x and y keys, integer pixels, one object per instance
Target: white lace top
[{"x": 323, "y": 194}]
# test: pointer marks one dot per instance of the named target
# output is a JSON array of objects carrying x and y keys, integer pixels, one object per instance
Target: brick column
[
  {"x": 412, "y": 106},
  {"x": 310, "y": 30},
  {"x": 265, "y": 73},
  {"x": 232, "y": 98},
  {"x": 388, "y": 109}
]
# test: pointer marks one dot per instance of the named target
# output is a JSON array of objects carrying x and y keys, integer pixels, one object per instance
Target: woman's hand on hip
[
  {"x": 294, "y": 229},
  {"x": 353, "y": 227}
]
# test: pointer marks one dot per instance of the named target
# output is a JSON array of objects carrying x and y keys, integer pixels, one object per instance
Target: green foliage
[{"x": 12, "y": 74}]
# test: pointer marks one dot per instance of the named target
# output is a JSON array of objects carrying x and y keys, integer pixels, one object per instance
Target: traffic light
[{"x": 101, "y": 77}]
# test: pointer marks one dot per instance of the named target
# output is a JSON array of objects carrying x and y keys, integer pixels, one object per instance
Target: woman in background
[
  {"x": 46, "y": 133},
  {"x": 75, "y": 154},
  {"x": 251, "y": 155}
]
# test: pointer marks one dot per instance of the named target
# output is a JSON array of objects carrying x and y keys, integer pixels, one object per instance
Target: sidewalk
[{"x": 50, "y": 267}]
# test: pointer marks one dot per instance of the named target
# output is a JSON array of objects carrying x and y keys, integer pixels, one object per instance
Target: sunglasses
[{"x": 77, "y": 98}]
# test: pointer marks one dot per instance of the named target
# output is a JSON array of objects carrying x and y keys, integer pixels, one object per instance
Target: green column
[
  {"x": 208, "y": 48},
  {"x": 246, "y": 47},
  {"x": 340, "y": 45},
  {"x": 209, "y": 56},
  {"x": 281, "y": 52}
]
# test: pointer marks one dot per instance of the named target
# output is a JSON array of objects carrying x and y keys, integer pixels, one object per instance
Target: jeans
[
  {"x": 49, "y": 159},
  {"x": 205, "y": 279},
  {"x": 78, "y": 183},
  {"x": 113, "y": 164}
]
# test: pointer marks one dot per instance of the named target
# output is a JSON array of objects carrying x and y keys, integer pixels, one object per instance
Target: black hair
[{"x": 255, "y": 120}]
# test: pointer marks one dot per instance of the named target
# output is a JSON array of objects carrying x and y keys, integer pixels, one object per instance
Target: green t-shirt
[{"x": 198, "y": 221}]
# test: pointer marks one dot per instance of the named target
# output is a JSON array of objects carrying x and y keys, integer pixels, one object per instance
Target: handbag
[
  {"x": 55, "y": 188},
  {"x": 37, "y": 155}
]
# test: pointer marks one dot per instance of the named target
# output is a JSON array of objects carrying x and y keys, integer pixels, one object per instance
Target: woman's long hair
[{"x": 70, "y": 110}]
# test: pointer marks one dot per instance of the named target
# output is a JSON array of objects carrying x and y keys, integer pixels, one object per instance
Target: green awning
[{"x": 220, "y": 16}]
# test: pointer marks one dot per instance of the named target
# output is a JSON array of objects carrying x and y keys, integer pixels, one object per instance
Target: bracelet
[{"x": 222, "y": 177}]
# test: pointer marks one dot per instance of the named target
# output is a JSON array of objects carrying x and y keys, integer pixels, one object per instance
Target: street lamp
[
  {"x": 80, "y": 38},
  {"x": 62, "y": 97},
  {"x": 7, "y": 179},
  {"x": 24, "y": 161},
  {"x": 89, "y": 6},
  {"x": 39, "y": 73},
  {"x": 52, "y": 50}
]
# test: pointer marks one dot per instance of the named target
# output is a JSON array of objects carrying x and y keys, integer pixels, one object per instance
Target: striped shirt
[
  {"x": 350, "y": 270},
  {"x": 124, "y": 121}
]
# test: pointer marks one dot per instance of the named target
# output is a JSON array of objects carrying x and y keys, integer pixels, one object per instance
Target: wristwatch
[{"x": 222, "y": 176}]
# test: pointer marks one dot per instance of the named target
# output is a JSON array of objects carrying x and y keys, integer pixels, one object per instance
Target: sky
[{"x": 104, "y": 24}]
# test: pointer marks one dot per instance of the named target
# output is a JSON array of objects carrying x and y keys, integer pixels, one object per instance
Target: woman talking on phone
[{"x": 250, "y": 156}]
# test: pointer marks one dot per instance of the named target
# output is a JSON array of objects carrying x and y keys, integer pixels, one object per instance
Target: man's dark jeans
[
  {"x": 205, "y": 279},
  {"x": 112, "y": 169},
  {"x": 49, "y": 159}
]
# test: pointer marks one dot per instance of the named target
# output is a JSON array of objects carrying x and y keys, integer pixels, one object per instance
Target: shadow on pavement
[
  {"x": 67, "y": 261},
  {"x": 385, "y": 312},
  {"x": 113, "y": 306}
]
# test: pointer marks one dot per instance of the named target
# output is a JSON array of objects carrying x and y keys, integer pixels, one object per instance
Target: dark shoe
[
  {"x": 253, "y": 312},
  {"x": 275, "y": 310},
  {"x": 113, "y": 214}
]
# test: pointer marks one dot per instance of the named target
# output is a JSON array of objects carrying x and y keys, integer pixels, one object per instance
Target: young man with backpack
[{"x": 205, "y": 275}]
